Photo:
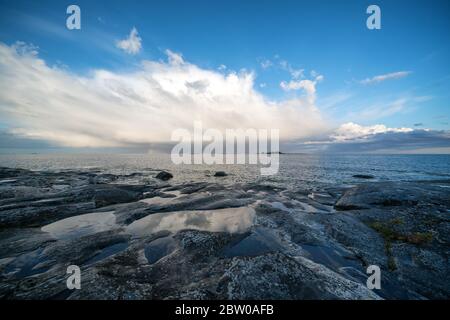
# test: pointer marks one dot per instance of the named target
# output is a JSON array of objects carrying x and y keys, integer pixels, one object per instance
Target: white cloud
[
  {"x": 309, "y": 86},
  {"x": 352, "y": 131},
  {"x": 175, "y": 59},
  {"x": 266, "y": 64},
  {"x": 283, "y": 65},
  {"x": 132, "y": 44},
  {"x": 295, "y": 73},
  {"x": 319, "y": 78},
  {"x": 141, "y": 107},
  {"x": 25, "y": 48},
  {"x": 384, "y": 77},
  {"x": 352, "y": 137}
]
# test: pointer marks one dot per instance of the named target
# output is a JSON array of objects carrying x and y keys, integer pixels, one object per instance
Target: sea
[{"x": 306, "y": 170}]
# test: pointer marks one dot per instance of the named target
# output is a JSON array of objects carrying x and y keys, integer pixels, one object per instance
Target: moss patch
[
  {"x": 389, "y": 234},
  {"x": 420, "y": 237}
]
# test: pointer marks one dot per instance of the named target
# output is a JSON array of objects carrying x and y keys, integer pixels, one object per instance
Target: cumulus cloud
[
  {"x": 139, "y": 108},
  {"x": 384, "y": 77},
  {"x": 353, "y": 131},
  {"x": 352, "y": 137},
  {"x": 309, "y": 86},
  {"x": 109, "y": 109},
  {"x": 175, "y": 59},
  {"x": 411, "y": 141},
  {"x": 131, "y": 45}
]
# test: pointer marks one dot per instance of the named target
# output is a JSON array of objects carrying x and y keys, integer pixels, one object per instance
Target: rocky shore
[{"x": 211, "y": 240}]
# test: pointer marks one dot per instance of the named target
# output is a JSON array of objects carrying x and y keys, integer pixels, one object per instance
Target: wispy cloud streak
[{"x": 387, "y": 76}]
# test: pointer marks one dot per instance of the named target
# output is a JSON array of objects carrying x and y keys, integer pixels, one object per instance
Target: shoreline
[{"x": 206, "y": 240}]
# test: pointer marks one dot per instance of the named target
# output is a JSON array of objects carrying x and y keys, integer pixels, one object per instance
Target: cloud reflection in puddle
[{"x": 231, "y": 220}]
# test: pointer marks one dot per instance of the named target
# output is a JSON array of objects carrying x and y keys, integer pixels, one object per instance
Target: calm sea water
[{"x": 295, "y": 169}]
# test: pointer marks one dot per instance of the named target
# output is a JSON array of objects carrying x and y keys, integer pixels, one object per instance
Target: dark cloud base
[{"x": 395, "y": 142}]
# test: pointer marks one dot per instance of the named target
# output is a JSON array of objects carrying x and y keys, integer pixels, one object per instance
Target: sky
[{"x": 137, "y": 70}]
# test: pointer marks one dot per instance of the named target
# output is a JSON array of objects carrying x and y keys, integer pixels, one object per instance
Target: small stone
[
  {"x": 164, "y": 175},
  {"x": 220, "y": 174},
  {"x": 363, "y": 176}
]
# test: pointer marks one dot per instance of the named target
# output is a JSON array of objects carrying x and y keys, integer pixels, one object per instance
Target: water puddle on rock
[
  {"x": 81, "y": 225},
  {"x": 49, "y": 201},
  {"x": 107, "y": 252},
  {"x": 259, "y": 242},
  {"x": 280, "y": 206},
  {"x": 333, "y": 258},
  {"x": 8, "y": 181},
  {"x": 318, "y": 208},
  {"x": 159, "y": 248},
  {"x": 161, "y": 201},
  {"x": 231, "y": 220},
  {"x": 26, "y": 264}
]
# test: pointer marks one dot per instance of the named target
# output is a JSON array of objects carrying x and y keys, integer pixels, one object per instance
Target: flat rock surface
[{"x": 150, "y": 239}]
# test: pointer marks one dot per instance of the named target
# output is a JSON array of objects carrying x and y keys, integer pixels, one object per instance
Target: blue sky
[{"x": 270, "y": 39}]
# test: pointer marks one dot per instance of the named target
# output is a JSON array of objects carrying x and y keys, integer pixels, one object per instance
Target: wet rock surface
[{"x": 147, "y": 239}]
